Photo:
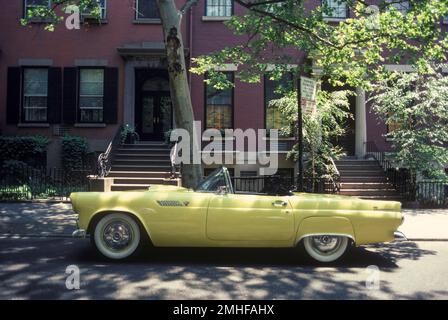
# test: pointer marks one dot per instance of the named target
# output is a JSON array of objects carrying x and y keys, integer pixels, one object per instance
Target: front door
[
  {"x": 154, "y": 115},
  {"x": 240, "y": 217}
]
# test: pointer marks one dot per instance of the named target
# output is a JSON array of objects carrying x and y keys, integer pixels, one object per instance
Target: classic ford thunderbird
[{"x": 213, "y": 215}]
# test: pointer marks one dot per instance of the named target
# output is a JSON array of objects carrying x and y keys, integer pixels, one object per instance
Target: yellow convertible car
[{"x": 213, "y": 215}]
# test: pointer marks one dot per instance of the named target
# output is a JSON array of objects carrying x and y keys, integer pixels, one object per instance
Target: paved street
[
  {"x": 35, "y": 268},
  {"x": 35, "y": 250}
]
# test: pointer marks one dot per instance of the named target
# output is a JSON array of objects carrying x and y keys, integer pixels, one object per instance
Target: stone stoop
[
  {"x": 365, "y": 179},
  {"x": 137, "y": 166}
]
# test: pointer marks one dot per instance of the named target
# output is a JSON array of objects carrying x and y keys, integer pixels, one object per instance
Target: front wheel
[
  {"x": 326, "y": 248},
  {"x": 117, "y": 236}
]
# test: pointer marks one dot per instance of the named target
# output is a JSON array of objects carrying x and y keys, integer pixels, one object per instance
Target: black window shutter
[
  {"x": 70, "y": 95},
  {"x": 13, "y": 95},
  {"x": 110, "y": 95},
  {"x": 54, "y": 95}
]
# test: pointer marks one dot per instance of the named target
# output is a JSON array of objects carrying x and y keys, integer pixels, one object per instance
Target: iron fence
[
  {"x": 281, "y": 185},
  {"x": 428, "y": 193},
  {"x": 28, "y": 183}
]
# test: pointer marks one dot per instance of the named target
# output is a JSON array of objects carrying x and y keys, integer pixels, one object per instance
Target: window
[
  {"x": 402, "y": 7},
  {"x": 35, "y": 94},
  {"x": 102, "y": 7},
  {"x": 147, "y": 9},
  {"x": 273, "y": 117},
  {"x": 91, "y": 95},
  {"x": 218, "y": 8},
  {"x": 219, "y": 106},
  {"x": 30, "y": 5},
  {"x": 392, "y": 125},
  {"x": 334, "y": 9}
]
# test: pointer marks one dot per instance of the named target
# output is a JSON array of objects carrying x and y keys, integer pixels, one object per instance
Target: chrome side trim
[
  {"x": 326, "y": 234},
  {"x": 399, "y": 236},
  {"x": 79, "y": 233}
]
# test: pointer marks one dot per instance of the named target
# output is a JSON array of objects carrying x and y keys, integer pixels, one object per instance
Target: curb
[
  {"x": 36, "y": 201},
  {"x": 427, "y": 239},
  {"x": 36, "y": 235}
]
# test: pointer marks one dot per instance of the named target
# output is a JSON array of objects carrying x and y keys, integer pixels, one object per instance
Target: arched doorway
[{"x": 153, "y": 108}]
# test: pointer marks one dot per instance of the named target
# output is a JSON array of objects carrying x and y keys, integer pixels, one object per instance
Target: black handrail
[
  {"x": 105, "y": 159},
  {"x": 400, "y": 178}
]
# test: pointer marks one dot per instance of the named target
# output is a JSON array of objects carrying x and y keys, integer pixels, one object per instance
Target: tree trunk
[{"x": 180, "y": 91}]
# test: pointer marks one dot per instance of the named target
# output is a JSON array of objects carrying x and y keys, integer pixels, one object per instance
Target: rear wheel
[
  {"x": 326, "y": 248},
  {"x": 117, "y": 236}
]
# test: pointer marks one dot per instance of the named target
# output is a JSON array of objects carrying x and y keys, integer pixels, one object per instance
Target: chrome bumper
[
  {"x": 399, "y": 236},
  {"x": 79, "y": 233}
]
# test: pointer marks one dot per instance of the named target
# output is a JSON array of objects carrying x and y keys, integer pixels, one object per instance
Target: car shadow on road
[
  {"x": 384, "y": 255},
  {"x": 37, "y": 269}
]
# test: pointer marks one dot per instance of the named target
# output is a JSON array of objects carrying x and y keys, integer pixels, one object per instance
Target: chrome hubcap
[
  {"x": 326, "y": 244},
  {"x": 117, "y": 235}
]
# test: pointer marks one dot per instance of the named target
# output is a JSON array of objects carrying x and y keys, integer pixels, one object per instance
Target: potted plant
[{"x": 128, "y": 134}]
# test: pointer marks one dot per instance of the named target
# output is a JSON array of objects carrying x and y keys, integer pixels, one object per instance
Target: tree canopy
[{"x": 354, "y": 50}]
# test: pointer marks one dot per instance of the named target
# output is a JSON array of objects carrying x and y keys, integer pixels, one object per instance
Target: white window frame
[
  {"x": 206, "y": 14},
  {"x": 24, "y": 95},
  {"x": 399, "y": 6},
  {"x": 334, "y": 5},
  {"x": 90, "y": 96},
  {"x": 103, "y": 11},
  {"x": 137, "y": 18},
  {"x": 26, "y": 6}
]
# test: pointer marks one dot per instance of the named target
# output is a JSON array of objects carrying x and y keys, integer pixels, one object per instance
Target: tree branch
[
  {"x": 188, "y": 5},
  {"x": 286, "y": 22}
]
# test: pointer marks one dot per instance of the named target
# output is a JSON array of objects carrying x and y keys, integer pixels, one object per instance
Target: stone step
[
  {"x": 138, "y": 180},
  {"x": 142, "y": 162},
  {"x": 145, "y": 146},
  {"x": 363, "y": 179},
  {"x": 139, "y": 174},
  {"x": 361, "y": 173},
  {"x": 360, "y": 167},
  {"x": 135, "y": 167},
  {"x": 142, "y": 156},
  {"x": 128, "y": 187},
  {"x": 356, "y": 162},
  {"x": 368, "y": 192},
  {"x": 385, "y": 198},
  {"x": 365, "y": 185},
  {"x": 162, "y": 151}
]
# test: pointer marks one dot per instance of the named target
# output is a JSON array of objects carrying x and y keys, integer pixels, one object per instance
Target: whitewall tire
[
  {"x": 117, "y": 236},
  {"x": 326, "y": 248}
]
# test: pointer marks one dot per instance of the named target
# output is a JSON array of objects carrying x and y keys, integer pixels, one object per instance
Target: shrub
[
  {"x": 16, "y": 172},
  {"x": 75, "y": 152},
  {"x": 31, "y": 150}
]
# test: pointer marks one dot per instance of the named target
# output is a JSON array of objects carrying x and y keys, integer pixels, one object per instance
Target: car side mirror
[{"x": 222, "y": 190}]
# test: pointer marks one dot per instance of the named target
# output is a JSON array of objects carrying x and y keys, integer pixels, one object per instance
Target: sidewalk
[
  {"x": 425, "y": 224},
  {"x": 58, "y": 220}
]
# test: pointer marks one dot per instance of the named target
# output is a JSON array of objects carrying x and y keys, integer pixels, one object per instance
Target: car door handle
[{"x": 279, "y": 203}]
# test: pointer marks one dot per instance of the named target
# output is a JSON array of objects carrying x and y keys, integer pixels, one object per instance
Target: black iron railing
[
  {"x": 428, "y": 193},
  {"x": 105, "y": 159},
  {"x": 282, "y": 185},
  {"x": 432, "y": 194},
  {"x": 264, "y": 184},
  {"x": 28, "y": 183}
]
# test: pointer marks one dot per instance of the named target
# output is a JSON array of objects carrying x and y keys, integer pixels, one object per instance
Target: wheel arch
[
  {"x": 317, "y": 226},
  {"x": 99, "y": 215}
]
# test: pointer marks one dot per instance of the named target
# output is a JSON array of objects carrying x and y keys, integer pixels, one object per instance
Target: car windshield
[{"x": 216, "y": 179}]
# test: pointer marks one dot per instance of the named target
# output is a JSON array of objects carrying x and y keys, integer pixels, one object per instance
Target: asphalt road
[{"x": 34, "y": 268}]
